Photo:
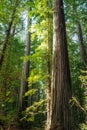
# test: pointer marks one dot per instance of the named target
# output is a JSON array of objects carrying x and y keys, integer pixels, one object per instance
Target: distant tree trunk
[
  {"x": 23, "y": 101},
  {"x": 48, "y": 74},
  {"x": 60, "y": 118},
  {"x": 8, "y": 31},
  {"x": 83, "y": 51},
  {"x": 81, "y": 44}
]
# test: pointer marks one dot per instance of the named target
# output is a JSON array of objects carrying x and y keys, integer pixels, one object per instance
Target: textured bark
[
  {"x": 60, "y": 118},
  {"x": 8, "y": 31},
  {"x": 23, "y": 101},
  {"x": 82, "y": 46}
]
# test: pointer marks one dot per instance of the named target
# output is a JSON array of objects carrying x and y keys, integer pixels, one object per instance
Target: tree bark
[
  {"x": 48, "y": 74},
  {"x": 81, "y": 44},
  {"x": 23, "y": 101},
  {"x": 60, "y": 118},
  {"x": 8, "y": 31}
]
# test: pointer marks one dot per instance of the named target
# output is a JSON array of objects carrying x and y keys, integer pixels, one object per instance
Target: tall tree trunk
[
  {"x": 48, "y": 74},
  {"x": 8, "y": 31},
  {"x": 60, "y": 118},
  {"x": 82, "y": 46},
  {"x": 83, "y": 51},
  {"x": 23, "y": 101}
]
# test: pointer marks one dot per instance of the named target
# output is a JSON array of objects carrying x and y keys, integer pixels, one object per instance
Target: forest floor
[{"x": 16, "y": 128}]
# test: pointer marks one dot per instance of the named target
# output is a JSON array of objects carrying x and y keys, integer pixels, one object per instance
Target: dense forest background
[{"x": 26, "y": 62}]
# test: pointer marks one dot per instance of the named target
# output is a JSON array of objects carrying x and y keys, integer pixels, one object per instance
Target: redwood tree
[
  {"x": 23, "y": 101},
  {"x": 81, "y": 44},
  {"x": 60, "y": 118},
  {"x": 48, "y": 73}
]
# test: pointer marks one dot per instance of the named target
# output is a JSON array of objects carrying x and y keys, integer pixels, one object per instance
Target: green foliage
[
  {"x": 10, "y": 81},
  {"x": 83, "y": 126},
  {"x": 75, "y": 102},
  {"x": 83, "y": 79},
  {"x": 36, "y": 106},
  {"x": 35, "y": 114},
  {"x": 30, "y": 92}
]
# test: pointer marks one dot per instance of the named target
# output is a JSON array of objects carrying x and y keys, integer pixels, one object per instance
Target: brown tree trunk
[
  {"x": 48, "y": 75},
  {"x": 60, "y": 118},
  {"x": 83, "y": 52},
  {"x": 81, "y": 44},
  {"x": 8, "y": 31},
  {"x": 23, "y": 101}
]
